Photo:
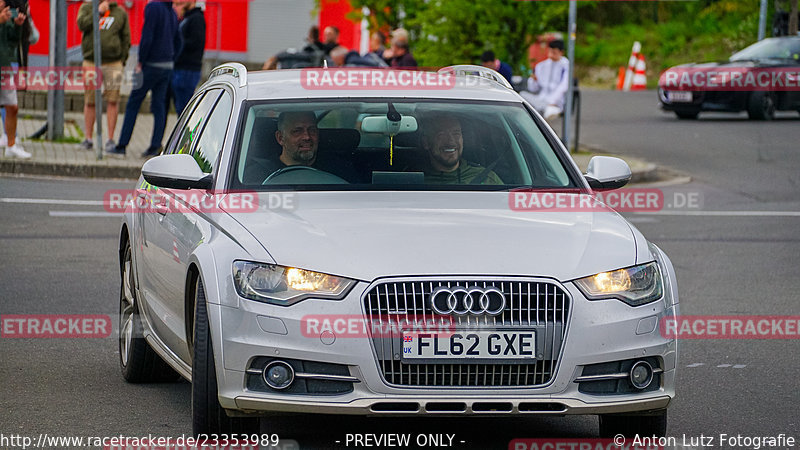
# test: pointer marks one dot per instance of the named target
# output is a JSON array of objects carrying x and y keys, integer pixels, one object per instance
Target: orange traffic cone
[
  {"x": 636, "y": 50},
  {"x": 639, "y": 76},
  {"x": 621, "y": 79}
]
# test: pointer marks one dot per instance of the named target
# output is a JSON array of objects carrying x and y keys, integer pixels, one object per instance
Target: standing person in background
[
  {"x": 312, "y": 40},
  {"x": 377, "y": 43},
  {"x": 115, "y": 43},
  {"x": 489, "y": 60},
  {"x": 401, "y": 55},
  {"x": 331, "y": 36},
  {"x": 189, "y": 61},
  {"x": 29, "y": 35},
  {"x": 549, "y": 82},
  {"x": 11, "y": 20},
  {"x": 158, "y": 47}
]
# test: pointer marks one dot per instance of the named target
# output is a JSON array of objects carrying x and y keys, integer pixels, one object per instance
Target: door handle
[{"x": 162, "y": 209}]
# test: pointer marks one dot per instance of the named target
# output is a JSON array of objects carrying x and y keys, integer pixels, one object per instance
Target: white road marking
[
  {"x": 696, "y": 364},
  {"x": 83, "y": 214},
  {"x": 51, "y": 201},
  {"x": 740, "y": 366},
  {"x": 724, "y": 366},
  {"x": 722, "y": 213}
]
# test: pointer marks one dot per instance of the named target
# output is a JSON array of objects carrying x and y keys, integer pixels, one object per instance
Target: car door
[{"x": 165, "y": 231}]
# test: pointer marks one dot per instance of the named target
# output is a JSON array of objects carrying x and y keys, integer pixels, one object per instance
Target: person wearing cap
[
  {"x": 490, "y": 61},
  {"x": 548, "y": 84}
]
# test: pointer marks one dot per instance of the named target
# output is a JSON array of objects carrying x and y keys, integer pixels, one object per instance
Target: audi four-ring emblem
[{"x": 467, "y": 300}]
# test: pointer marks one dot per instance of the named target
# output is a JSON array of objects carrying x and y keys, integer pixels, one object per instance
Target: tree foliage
[{"x": 445, "y": 32}]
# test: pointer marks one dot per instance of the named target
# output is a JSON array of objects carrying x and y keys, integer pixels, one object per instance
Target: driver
[
  {"x": 441, "y": 137},
  {"x": 298, "y": 137}
]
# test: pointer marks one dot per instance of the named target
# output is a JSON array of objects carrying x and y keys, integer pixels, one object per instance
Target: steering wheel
[{"x": 318, "y": 176}]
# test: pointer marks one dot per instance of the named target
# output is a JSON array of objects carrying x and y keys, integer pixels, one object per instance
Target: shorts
[
  {"x": 112, "y": 80},
  {"x": 8, "y": 97}
]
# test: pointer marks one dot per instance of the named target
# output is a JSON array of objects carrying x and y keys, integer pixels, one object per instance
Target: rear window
[{"x": 394, "y": 144}]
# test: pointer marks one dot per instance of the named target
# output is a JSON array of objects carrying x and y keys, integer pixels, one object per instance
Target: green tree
[{"x": 445, "y": 32}]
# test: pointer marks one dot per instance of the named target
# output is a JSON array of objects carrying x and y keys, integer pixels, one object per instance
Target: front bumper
[{"x": 598, "y": 332}]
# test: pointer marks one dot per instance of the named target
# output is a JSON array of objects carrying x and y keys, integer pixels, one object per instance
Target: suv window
[
  {"x": 185, "y": 138},
  {"x": 213, "y": 135}
]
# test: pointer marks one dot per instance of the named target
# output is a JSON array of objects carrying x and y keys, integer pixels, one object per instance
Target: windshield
[
  {"x": 773, "y": 48},
  {"x": 394, "y": 144}
]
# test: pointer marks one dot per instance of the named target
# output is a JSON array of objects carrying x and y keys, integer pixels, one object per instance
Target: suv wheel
[
  {"x": 208, "y": 416},
  {"x": 690, "y": 115},
  {"x": 651, "y": 424},
  {"x": 138, "y": 362},
  {"x": 761, "y": 106}
]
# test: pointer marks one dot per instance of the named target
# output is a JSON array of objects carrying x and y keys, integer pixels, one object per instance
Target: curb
[
  {"x": 23, "y": 167},
  {"x": 647, "y": 173}
]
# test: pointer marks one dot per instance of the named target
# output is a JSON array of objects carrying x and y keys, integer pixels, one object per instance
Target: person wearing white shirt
[{"x": 548, "y": 85}]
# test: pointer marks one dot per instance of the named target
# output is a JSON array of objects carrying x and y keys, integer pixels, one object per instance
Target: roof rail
[
  {"x": 478, "y": 71},
  {"x": 234, "y": 69}
]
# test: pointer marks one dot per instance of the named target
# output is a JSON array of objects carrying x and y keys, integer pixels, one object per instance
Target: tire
[
  {"x": 687, "y": 115},
  {"x": 761, "y": 106},
  {"x": 651, "y": 424},
  {"x": 138, "y": 362},
  {"x": 208, "y": 416}
]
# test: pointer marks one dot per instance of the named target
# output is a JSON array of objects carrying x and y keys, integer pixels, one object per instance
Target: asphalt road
[{"x": 735, "y": 254}]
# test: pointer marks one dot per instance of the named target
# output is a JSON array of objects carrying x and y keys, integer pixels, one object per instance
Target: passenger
[{"x": 442, "y": 138}]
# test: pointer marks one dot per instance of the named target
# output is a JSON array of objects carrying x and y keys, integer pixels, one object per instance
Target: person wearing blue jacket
[{"x": 159, "y": 44}]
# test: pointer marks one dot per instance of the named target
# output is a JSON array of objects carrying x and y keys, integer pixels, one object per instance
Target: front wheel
[
  {"x": 208, "y": 416},
  {"x": 761, "y": 106},
  {"x": 687, "y": 115},
  {"x": 650, "y": 424}
]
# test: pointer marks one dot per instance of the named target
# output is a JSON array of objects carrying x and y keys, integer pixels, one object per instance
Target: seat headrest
[
  {"x": 408, "y": 139},
  {"x": 338, "y": 139},
  {"x": 262, "y": 140}
]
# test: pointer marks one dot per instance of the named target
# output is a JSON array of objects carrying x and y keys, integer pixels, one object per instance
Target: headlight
[
  {"x": 286, "y": 285},
  {"x": 635, "y": 285}
]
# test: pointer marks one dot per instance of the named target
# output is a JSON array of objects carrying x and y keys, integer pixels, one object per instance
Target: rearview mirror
[
  {"x": 606, "y": 172},
  {"x": 382, "y": 124},
  {"x": 176, "y": 172}
]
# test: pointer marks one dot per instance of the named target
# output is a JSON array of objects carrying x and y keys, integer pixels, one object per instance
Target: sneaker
[
  {"x": 18, "y": 151},
  {"x": 110, "y": 144},
  {"x": 152, "y": 151},
  {"x": 116, "y": 150},
  {"x": 87, "y": 144}
]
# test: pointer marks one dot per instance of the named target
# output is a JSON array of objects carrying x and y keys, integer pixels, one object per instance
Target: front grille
[{"x": 539, "y": 305}]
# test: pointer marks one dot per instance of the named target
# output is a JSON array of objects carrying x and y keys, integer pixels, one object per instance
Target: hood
[{"x": 367, "y": 235}]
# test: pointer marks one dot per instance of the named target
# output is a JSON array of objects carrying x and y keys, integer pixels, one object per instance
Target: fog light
[
  {"x": 278, "y": 375},
  {"x": 641, "y": 374}
]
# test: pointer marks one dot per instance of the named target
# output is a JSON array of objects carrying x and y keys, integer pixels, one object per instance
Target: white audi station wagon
[{"x": 348, "y": 241}]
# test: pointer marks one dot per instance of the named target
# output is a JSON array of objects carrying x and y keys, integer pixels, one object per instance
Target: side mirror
[
  {"x": 176, "y": 172},
  {"x": 606, "y": 172}
]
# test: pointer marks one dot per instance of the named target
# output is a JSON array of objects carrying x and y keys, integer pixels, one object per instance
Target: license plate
[
  {"x": 679, "y": 96},
  {"x": 473, "y": 345}
]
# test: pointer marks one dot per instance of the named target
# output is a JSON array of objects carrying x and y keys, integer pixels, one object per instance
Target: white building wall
[{"x": 275, "y": 25}]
